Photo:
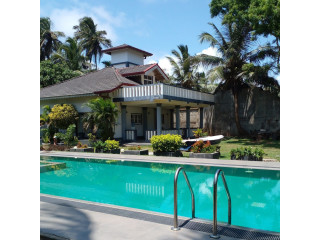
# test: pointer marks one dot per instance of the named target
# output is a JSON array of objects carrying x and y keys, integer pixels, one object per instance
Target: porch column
[
  {"x": 178, "y": 119},
  {"x": 123, "y": 121},
  {"x": 171, "y": 118},
  {"x": 144, "y": 120},
  {"x": 201, "y": 117},
  {"x": 188, "y": 121},
  {"x": 159, "y": 120}
]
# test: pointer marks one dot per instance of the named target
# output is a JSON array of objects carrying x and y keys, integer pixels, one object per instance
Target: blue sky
[{"x": 156, "y": 26}]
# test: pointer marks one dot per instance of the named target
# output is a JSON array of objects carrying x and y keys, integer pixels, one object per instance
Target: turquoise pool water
[{"x": 255, "y": 194}]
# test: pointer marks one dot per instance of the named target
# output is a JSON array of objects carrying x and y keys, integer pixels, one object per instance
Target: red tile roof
[{"x": 124, "y": 46}]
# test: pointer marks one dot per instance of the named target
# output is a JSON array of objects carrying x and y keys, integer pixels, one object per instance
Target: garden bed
[
  {"x": 136, "y": 152},
  {"x": 169, "y": 154},
  {"x": 89, "y": 149},
  {"x": 214, "y": 155}
]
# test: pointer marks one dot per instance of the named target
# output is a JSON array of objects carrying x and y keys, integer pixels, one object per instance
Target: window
[
  {"x": 136, "y": 118},
  {"x": 148, "y": 79}
]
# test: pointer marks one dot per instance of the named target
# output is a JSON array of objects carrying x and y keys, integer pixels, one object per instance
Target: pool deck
[{"x": 175, "y": 160}]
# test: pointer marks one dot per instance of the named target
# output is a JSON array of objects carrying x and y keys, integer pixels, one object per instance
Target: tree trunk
[
  {"x": 95, "y": 59},
  {"x": 241, "y": 131}
]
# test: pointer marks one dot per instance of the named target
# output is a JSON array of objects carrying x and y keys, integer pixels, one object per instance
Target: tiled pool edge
[
  {"x": 166, "y": 219},
  {"x": 173, "y": 160}
]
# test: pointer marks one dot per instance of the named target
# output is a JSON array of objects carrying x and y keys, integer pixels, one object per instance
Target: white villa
[{"x": 147, "y": 105}]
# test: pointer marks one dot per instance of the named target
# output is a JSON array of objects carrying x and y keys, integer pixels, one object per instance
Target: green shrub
[
  {"x": 45, "y": 135},
  {"x": 62, "y": 116},
  {"x": 99, "y": 145},
  {"x": 166, "y": 143},
  {"x": 69, "y": 137},
  {"x": 111, "y": 145},
  {"x": 249, "y": 152}
]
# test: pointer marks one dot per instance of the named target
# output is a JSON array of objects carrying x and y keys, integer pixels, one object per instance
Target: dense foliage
[
  {"x": 261, "y": 16},
  {"x": 52, "y": 73},
  {"x": 102, "y": 117},
  {"x": 199, "y": 133},
  {"x": 166, "y": 143},
  {"x": 61, "y": 116}
]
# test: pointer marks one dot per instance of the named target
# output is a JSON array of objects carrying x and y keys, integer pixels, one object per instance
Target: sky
[{"x": 156, "y": 26}]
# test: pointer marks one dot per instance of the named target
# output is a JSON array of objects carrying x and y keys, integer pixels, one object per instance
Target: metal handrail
[
  {"x": 215, "y": 193},
  {"x": 175, "y": 204}
]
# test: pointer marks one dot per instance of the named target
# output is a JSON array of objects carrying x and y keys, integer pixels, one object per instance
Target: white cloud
[
  {"x": 64, "y": 19},
  {"x": 210, "y": 51}
]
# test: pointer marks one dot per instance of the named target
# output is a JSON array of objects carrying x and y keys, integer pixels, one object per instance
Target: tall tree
[
  {"x": 71, "y": 53},
  {"x": 184, "y": 68},
  {"x": 263, "y": 17},
  {"x": 52, "y": 73},
  {"x": 238, "y": 63},
  {"x": 102, "y": 117},
  {"x": 49, "y": 41},
  {"x": 91, "y": 39}
]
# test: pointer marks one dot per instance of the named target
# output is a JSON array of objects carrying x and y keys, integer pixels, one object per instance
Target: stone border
[{"x": 170, "y": 160}]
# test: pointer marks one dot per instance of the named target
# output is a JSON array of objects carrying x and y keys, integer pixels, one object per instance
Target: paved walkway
[
  {"x": 81, "y": 224},
  {"x": 175, "y": 160}
]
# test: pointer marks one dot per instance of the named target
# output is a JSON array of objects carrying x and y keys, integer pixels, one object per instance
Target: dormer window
[{"x": 148, "y": 79}]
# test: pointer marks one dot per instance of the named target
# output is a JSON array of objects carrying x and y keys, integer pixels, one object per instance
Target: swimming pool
[{"x": 149, "y": 186}]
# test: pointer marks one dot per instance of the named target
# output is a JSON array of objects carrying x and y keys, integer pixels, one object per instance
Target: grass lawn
[{"x": 270, "y": 147}]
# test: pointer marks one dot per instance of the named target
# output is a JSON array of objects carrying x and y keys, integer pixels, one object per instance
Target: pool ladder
[{"x": 215, "y": 193}]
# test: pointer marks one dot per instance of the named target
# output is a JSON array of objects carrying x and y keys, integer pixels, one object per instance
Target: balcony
[{"x": 161, "y": 91}]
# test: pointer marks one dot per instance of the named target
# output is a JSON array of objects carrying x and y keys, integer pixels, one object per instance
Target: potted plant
[
  {"x": 167, "y": 145},
  {"x": 136, "y": 150},
  {"x": 204, "y": 150},
  {"x": 45, "y": 139},
  {"x": 112, "y": 146}
]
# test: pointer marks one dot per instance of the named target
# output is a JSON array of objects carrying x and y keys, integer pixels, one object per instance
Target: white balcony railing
[{"x": 161, "y": 90}]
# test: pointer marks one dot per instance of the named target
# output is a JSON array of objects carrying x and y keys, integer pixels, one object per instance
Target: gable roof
[
  {"x": 140, "y": 69},
  {"x": 124, "y": 46},
  {"x": 102, "y": 81}
]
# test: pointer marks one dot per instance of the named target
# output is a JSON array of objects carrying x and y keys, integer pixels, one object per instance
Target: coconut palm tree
[
  {"x": 235, "y": 66},
  {"x": 184, "y": 68},
  {"x": 49, "y": 41},
  {"x": 91, "y": 40},
  {"x": 71, "y": 53},
  {"x": 102, "y": 117}
]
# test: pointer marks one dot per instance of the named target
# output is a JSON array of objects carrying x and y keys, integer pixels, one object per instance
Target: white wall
[
  {"x": 126, "y": 55},
  {"x": 135, "y": 57}
]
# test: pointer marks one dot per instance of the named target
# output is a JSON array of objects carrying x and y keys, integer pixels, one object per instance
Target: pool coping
[
  {"x": 172, "y": 160},
  {"x": 196, "y": 224}
]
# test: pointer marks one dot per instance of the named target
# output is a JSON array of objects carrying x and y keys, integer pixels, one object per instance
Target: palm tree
[
  {"x": 49, "y": 41},
  {"x": 102, "y": 117},
  {"x": 91, "y": 39},
  {"x": 235, "y": 67},
  {"x": 184, "y": 68},
  {"x": 71, "y": 53}
]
